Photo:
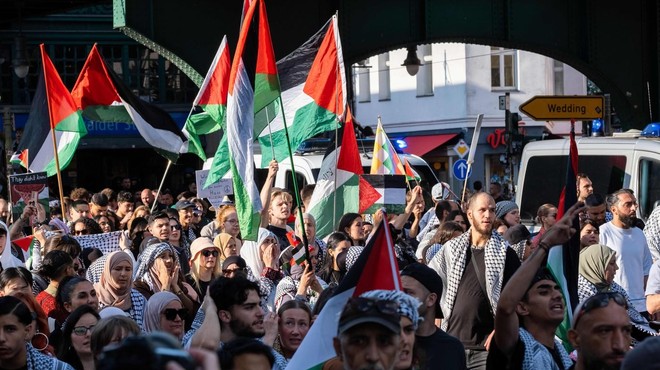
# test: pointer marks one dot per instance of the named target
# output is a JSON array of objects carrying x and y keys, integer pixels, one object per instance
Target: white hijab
[
  {"x": 251, "y": 252},
  {"x": 7, "y": 259}
]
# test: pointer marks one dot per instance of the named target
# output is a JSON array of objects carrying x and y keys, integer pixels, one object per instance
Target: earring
[{"x": 36, "y": 342}]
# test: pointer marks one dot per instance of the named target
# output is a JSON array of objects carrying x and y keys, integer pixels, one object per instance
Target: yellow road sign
[{"x": 543, "y": 108}]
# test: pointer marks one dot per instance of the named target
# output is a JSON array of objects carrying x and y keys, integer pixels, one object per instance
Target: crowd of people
[{"x": 120, "y": 267}]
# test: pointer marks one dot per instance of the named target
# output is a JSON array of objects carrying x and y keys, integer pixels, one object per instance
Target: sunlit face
[
  {"x": 269, "y": 241},
  {"x": 124, "y": 208},
  {"x": 280, "y": 208},
  {"x": 293, "y": 327},
  {"x": 96, "y": 210},
  {"x": 104, "y": 222},
  {"x": 482, "y": 214},
  {"x": 175, "y": 326},
  {"x": 13, "y": 335},
  {"x": 230, "y": 225},
  {"x": 512, "y": 218},
  {"x": 147, "y": 197},
  {"x": 209, "y": 257},
  {"x": 355, "y": 230},
  {"x": 81, "y": 210},
  {"x": 310, "y": 229},
  {"x": 550, "y": 219},
  {"x": 585, "y": 188},
  {"x": 84, "y": 326},
  {"x": 121, "y": 274},
  {"x": 610, "y": 270},
  {"x": 168, "y": 260},
  {"x": 625, "y": 209},
  {"x": 160, "y": 228},
  {"x": 339, "y": 247},
  {"x": 185, "y": 216},
  {"x": 16, "y": 285},
  {"x": 231, "y": 248},
  {"x": 247, "y": 319},
  {"x": 83, "y": 293},
  {"x": 175, "y": 231},
  {"x": 368, "y": 346}
]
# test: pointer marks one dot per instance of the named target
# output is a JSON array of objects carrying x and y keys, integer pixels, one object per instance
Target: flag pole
[
  {"x": 473, "y": 149},
  {"x": 162, "y": 181},
  {"x": 270, "y": 133},
  {"x": 295, "y": 183},
  {"x": 59, "y": 173}
]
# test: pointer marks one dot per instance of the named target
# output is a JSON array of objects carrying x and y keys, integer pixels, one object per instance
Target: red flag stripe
[{"x": 60, "y": 102}]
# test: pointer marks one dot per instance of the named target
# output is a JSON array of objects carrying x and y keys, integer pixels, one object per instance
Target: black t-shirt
[
  {"x": 472, "y": 320},
  {"x": 281, "y": 236},
  {"x": 440, "y": 348},
  {"x": 499, "y": 361}
]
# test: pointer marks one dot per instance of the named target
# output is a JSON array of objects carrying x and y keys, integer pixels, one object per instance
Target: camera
[{"x": 150, "y": 352}]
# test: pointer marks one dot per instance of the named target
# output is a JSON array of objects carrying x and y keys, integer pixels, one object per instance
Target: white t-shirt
[
  {"x": 632, "y": 256},
  {"x": 653, "y": 284}
]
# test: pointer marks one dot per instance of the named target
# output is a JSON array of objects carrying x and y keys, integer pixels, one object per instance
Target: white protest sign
[{"x": 215, "y": 192}]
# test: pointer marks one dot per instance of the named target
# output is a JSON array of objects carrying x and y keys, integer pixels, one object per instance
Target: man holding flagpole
[{"x": 474, "y": 268}]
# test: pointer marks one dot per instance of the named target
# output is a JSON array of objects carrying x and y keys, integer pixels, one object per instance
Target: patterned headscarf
[
  {"x": 155, "y": 305},
  {"x": 107, "y": 288},
  {"x": 146, "y": 271},
  {"x": 251, "y": 252},
  {"x": 408, "y": 305},
  {"x": 593, "y": 262}
]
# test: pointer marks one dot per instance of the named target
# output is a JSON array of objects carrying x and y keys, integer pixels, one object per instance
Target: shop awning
[{"x": 420, "y": 145}]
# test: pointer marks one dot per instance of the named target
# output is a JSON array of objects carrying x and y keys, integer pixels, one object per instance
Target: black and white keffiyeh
[
  {"x": 136, "y": 312},
  {"x": 288, "y": 287},
  {"x": 147, "y": 258},
  {"x": 652, "y": 233},
  {"x": 408, "y": 305},
  {"x": 586, "y": 289},
  {"x": 95, "y": 270},
  {"x": 106, "y": 242},
  {"x": 38, "y": 361},
  {"x": 449, "y": 263},
  {"x": 536, "y": 356}
]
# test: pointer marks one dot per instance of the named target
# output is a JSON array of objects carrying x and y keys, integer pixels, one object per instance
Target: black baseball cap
[
  {"x": 428, "y": 278},
  {"x": 183, "y": 204}
]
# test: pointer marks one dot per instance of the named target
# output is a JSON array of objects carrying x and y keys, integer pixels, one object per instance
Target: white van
[
  {"x": 308, "y": 159},
  {"x": 614, "y": 162}
]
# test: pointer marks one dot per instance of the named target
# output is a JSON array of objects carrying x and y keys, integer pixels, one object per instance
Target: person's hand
[
  {"x": 41, "y": 212},
  {"x": 415, "y": 196},
  {"x": 562, "y": 231},
  {"x": 28, "y": 212},
  {"x": 306, "y": 280},
  {"x": 489, "y": 340},
  {"x": 124, "y": 241},
  {"x": 174, "y": 279},
  {"x": 273, "y": 167},
  {"x": 161, "y": 273},
  {"x": 418, "y": 210},
  {"x": 378, "y": 218},
  {"x": 269, "y": 256},
  {"x": 126, "y": 218},
  {"x": 39, "y": 233},
  {"x": 204, "y": 359},
  {"x": 271, "y": 321}
]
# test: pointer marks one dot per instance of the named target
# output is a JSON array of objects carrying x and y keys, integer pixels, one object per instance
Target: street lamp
[
  {"x": 20, "y": 63},
  {"x": 412, "y": 62}
]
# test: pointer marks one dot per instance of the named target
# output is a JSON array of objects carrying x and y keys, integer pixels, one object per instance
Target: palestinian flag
[
  {"x": 337, "y": 188},
  {"x": 245, "y": 95},
  {"x": 392, "y": 193},
  {"x": 563, "y": 262},
  {"x": 376, "y": 268},
  {"x": 53, "y": 112},
  {"x": 313, "y": 94},
  {"x": 20, "y": 158},
  {"x": 99, "y": 85},
  {"x": 210, "y": 104},
  {"x": 26, "y": 244},
  {"x": 411, "y": 174},
  {"x": 386, "y": 161}
]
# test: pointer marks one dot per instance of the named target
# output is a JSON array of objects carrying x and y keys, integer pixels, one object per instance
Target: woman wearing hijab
[
  {"x": 262, "y": 259},
  {"x": 165, "y": 312},
  {"x": 115, "y": 287},
  {"x": 301, "y": 282},
  {"x": 158, "y": 271},
  {"x": 6, "y": 257},
  {"x": 228, "y": 245},
  {"x": 597, "y": 269}
]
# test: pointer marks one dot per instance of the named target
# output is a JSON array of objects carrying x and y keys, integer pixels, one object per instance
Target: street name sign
[{"x": 544, "y": 108}]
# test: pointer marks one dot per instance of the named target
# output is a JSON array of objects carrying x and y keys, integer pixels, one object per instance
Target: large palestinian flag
[
  {"x": 53, "y": 112},
  {"x": 210, "y": 104},
  {"x": 99, "y": 87},
  {"x": 339, "y": 188},
  {"x": 376, "y": 268}
]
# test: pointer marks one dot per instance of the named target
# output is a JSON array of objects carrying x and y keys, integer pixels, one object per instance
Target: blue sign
[{"x": 460, "y": 170}]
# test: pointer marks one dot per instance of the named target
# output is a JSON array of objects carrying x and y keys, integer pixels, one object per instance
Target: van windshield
[{"x": 545, "y": 177}]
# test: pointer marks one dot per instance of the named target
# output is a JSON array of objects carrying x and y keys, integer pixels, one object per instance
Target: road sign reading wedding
[{"x": 545, "y": 108}]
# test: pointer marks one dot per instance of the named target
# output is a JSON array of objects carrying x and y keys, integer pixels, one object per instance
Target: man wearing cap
[
  {"x": 474, "y": 267},
  {"x": 188, "y": 232},
  {"x": 437, "y": 194},
  {"x": 433, "y": 344},
  {"x": 369, "y": 334},
  {"x": 530, "y": 309}
]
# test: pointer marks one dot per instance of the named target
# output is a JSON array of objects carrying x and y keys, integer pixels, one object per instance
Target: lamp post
[
  {"x": 20, "y": 63},
  {"x": 412, "y": 62}
]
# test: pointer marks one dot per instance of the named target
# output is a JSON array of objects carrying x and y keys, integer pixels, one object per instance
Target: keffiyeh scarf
[
  {"x": 652, "y": 233},
  {"x": 38, "y": 361},
  {"x": 146, "y": 272},
  {"x": 450, "y": 265},
  {"x": 586, "y": 289},
  {"x": 536, "y": 356}
]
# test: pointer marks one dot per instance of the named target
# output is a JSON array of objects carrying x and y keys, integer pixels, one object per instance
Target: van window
[
  {"x": 299, "y": 178},
  {"x": 545, "y": 177},
  {"x": 649, "y": 186}
]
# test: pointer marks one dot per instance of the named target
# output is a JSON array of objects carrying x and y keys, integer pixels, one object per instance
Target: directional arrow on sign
[{"x": 543, "y": 108}]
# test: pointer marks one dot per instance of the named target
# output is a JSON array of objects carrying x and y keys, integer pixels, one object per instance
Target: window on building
[
  {"x": 425, "y": 74},
  {"x": 384, "y": 76},
  {"x": 364, "y": 82},
  {"x": 558, "y": 75},
  {"x": 503, "y": 68}
]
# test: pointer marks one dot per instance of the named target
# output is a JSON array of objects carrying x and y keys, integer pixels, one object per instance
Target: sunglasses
[
  {"x": 81, "y": 232},
  {"x": 599, "y": 300},
  {"x": 82, "y": 330},
  {"x": 172, "y": 313},
  {"x": 232, "y": 271},
  {"x": 207, "y": 253},
  {"x": 175, "y": 227}
]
